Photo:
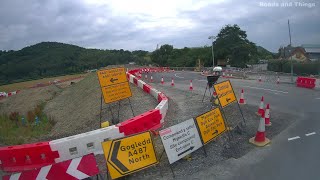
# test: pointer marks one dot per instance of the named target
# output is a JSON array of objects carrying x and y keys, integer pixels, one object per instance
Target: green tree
[{"x": 232, "y": 44}]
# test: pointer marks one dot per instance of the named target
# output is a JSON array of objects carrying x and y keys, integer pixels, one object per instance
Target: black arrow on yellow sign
[
  {"x": 113, "y": 80},
  {"x": 228, "y": 99},
  {"x": 114, "y": 157},
  {"x": 215, "y": 132}
]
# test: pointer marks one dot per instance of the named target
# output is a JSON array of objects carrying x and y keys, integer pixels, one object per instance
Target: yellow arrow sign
[
  {"x": 130, "y": 154},
  {"x": 211, "y": 124},
  {"x": 225, "y": 93},
  {"x": 113, "y": 76}
]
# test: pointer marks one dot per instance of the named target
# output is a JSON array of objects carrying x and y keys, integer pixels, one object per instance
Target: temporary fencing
[{"x": 30, "y": 156}]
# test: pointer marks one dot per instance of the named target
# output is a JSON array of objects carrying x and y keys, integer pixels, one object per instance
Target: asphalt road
[{"x": 293, "y": 154}]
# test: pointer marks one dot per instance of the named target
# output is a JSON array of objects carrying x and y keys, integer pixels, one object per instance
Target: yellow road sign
[
  {"x": 129, "y": 154},
  {"x": 109, "y": 77},
  {"x": 211, "y": 124},
  {"x": 225, "y": 93},
  {"x": 116, "y": 92}
]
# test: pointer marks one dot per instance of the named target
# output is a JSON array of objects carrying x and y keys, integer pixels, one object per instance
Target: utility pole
[
  {"x": 212, "y": 38},
  {"x": 290, "y": 52}
]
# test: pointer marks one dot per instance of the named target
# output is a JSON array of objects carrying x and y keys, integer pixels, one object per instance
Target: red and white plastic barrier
[
  {"x": 78, "y": 168},
  {"x": 31, "y": 156}
]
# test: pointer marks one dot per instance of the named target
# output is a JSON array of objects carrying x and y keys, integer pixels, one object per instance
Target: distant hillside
[
  {"x": 53, "y": 59},
  {"x": 263, "y": 53}
]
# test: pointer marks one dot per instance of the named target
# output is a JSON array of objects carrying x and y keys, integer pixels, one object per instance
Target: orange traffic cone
[
  {"x": 260, "y": 138},
  {"x": 151, "y": 79},
  {"x": 172, "y": 82},
  {"x": 162, "y": 82},
  {"x": 261, "y": 107},
  {"x": 242, "y": 101},
  {"x": 191, "y": 87},
  {"x": 267, "y": 116},
  {"x": 278, "y": 80}
]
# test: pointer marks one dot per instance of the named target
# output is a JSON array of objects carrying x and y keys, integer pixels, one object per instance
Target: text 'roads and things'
[{"x": 180, "y": 140}]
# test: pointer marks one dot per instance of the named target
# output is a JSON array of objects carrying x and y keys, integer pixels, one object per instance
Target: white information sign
[{"x": 180, "y": 140}]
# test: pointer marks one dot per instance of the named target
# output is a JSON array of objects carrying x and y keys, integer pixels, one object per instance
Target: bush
[
  {"x": 14, "y": 116},
  {"x": 305, "y": 68}
]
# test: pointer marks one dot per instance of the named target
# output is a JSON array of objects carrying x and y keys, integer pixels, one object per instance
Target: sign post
[
  {"x": 114, "y": 87},
  {"x": 129, "y": 154},
  {"x": 226, "y": 95},
  {"x": 180, "y": 140}
]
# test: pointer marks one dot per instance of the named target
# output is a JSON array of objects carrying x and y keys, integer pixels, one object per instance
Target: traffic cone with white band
[
  {"x": 162, "y": 82},
  {"x": 278, "y": 80},
  {"x": 172, "y": 82},
  {"x": 242, "y": 101},
  {"x": 267, "y": 116},
  {"x": 191, "y": 87},
  {"x": 151, "y": 79},
  {"x": 261, "y": 107},
  {"x": 146, "y": 77},
  {"x": 260, "y": 79},
  {"x": 260, "y": 138}
]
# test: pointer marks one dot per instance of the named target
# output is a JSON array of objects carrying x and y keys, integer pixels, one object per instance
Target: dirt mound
[
  {"x": 77, "y": 108},
  {"x": 28, "y": 99}
]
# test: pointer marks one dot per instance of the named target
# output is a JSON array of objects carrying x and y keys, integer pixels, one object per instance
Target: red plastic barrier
[
  {"x": 26, "y": 157},
  {"x": 306, "y": 82},
  {"x": 78, "y": 168},
  {"x": 161, "y": 97},
  {"x": 135, "y": 80},
  {"x": 147, "y": 121},
  {"x": 146, "y": 88}
]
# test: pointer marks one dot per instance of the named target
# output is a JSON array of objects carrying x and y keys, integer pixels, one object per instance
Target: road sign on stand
[
  {"x": 211, "y": 124},
  {"x": 225, "y": 93},
  {"x": 129, "y": 154},
  {"x": 180, "y": 140},
  {"x": 114, "y": 84}
]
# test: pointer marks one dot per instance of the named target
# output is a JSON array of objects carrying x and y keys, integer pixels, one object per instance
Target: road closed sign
[
  {"x": 114, "y": 84},
  {"x": 225, "y": 93},
  {"x": 129, "y": 154},
  {"x": 180, "y": 140},
  {"x": 211, "y": 124}
]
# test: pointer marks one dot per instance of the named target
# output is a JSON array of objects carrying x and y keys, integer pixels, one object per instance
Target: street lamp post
[{"x": 212, "y": 38}]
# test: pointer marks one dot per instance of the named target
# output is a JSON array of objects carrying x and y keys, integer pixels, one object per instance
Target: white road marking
[
  {"x": 267, "y": 89},
  {"x": 293, "y": 138},
  {"x": 310, "y": 134},
  {"x": 177, "y": 75}
]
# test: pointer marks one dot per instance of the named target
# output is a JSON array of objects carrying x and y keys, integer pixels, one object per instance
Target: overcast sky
[{"x": 142, "y": 24}]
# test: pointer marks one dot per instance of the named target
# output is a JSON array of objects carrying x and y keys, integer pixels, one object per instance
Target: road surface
[{"x": 293, "y": 154}]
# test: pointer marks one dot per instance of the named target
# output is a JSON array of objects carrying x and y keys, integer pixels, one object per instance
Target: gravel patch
[{"x": 184, "y": 105}]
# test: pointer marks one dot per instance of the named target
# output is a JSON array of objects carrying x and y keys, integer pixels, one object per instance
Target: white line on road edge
[
  {"x": 267, "y": 89},
  {"x": 177, "y": 75},
  {"x": 310, "y": 134},
  {"x": 201, "y": 80},
  {"x": 293, "y": 138}
]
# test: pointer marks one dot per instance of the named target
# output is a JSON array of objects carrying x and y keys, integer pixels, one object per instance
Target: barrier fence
[{"x": 31, "y": 156}]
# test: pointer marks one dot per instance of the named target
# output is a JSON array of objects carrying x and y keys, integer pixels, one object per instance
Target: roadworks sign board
[
  {"x": 180, "y": 140},
  {"x": 225, "y": 93},
  {"x": 211, "y": 124},
  {"x": 129, "y": 154},
  {"x": 114, "y": 84}
]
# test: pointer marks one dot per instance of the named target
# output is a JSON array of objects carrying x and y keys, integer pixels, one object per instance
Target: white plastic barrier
[
  {"x": 154, "y": 93},
  {"x": 141, "y": 83},
  {"x": 131, "y": 78},
  {"x": 163, "y": 107},
  {"x": 83, "y": 144}
]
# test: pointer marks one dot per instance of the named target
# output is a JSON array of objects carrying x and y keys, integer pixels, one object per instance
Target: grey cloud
[{"x": 24, "y": 23}]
